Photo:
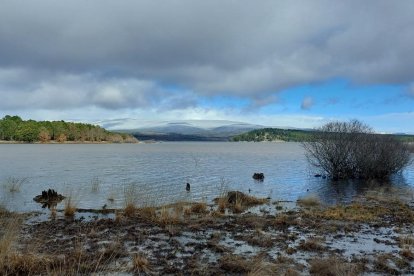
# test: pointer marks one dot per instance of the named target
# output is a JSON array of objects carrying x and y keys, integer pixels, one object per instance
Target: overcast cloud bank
[{"x": 167, "y": 55}]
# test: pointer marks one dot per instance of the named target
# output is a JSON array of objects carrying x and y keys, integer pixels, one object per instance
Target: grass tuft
[
  {"x": 199, "y": 208},
  {"x": 140, "y": 264},
  {"x": 333, "y": 266},
  {"x": 130, "y": 210},
  {"x": 14, "y": 184},
  {"x": 70, "y": 207},
  {"x": 238, "y": 201}
]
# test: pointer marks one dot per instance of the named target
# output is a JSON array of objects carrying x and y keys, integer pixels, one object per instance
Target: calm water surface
[{"x": 157, "y": 173}]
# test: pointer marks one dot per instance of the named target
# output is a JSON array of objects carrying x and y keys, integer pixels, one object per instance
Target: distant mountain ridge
[{"x": 180, "y": 130}]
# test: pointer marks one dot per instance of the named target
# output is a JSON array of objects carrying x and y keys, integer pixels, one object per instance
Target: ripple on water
[{"x": 159, "y": 172}]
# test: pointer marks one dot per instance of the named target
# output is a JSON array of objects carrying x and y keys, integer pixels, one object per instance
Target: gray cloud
[
  {"x": 114, "y": 55},
  {"x": 410, "y": 91},
  {"x": 307, "y": 103}
]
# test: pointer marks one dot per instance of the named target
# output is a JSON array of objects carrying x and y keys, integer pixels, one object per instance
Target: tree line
[
  {"x": 293, "y": 135},
  {"x": 273, "y": 134},
  {"x": 13, "y": 128}
]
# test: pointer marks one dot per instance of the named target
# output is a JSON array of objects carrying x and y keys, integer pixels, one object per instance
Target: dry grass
[
  {"x": 235, "y": 264},
  {"x": 199, "y": 208},
  {"x": 11, "y": 262},
  {"x": 309, "y": 201},
  {"x": 222, "y": 204},
  {"x": 311, "y": 245},
  {"x": 168, "y": 217},
  {"x": 140, "y": 264},
  {"x": 366, "y": 210},
  {"x": 262, "y": 268},
  {"x": 406, "y": 241},
  {"x": 70, "y": 207},
  {"x": 130, "y": 210},
  {"x": 238, "y": 201},
  {"x": 408, "y": 254},
  {"x": 284, "y": 220},
  {"x": 333, "y": 267},
  {"x": 130, "y": 200},
  {"x": 147, "y": 213},
  {"x": 383, "y": 264},
  {"x": 258, "y": 266},
  {"x": 10, "y": 227},
  {"x": 14, "y": 184}
]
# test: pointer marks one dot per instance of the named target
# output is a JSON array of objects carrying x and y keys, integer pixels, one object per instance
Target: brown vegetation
[
  {"x": 238, "y": 201},
  {"x": 70, "y": 207},
  {"x": 309, "y": 201},
  {"x": 333, "y": 267},
  {"x": 190, "y": 238},
  {"x": 140, "y": 264}
]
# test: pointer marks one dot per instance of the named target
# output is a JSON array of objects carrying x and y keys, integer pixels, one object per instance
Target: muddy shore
[{"x": 372, "y": 235}]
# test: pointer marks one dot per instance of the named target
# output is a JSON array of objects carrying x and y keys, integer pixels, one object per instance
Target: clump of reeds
[
  {"x": 199, "y": 208},
  {"x": 129, "y": 197},
  {"x": 130, "y": 210},
  {"x": 140, "y": 264},
  {"x": 14, "y": 184},
  {"x": 167, "y": 216},
  {"x": 70, "y": 207},
  {"x": 238, "y": 201},
  {"x": 95, "y": 184},
  {"x": 147, "y": 213}
]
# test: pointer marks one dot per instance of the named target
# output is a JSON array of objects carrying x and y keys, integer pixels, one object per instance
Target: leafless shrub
[{"x": 351, "y": 149}]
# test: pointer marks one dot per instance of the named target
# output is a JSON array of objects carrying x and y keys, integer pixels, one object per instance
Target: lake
[{"x": 95, "y": 175}]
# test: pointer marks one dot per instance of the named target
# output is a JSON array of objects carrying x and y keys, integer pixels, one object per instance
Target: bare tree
[{"x": 352, "y": 150}]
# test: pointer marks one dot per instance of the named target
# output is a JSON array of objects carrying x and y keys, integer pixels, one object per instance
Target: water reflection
[
  {"x": 160, "y": 172},
  {"x": 49, "y": 199},
  {"x": 343, "y": 191}
]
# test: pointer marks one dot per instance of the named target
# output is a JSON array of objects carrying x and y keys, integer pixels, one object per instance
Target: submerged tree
[{"x": 352, "y": 150}]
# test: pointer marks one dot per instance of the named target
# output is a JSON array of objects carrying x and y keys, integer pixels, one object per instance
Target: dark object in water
[
  {"x": 318, "y": 175},
  {"x": 49, "y": 198},
  {"x": 188, "y": 187},
  {"x": 258, "y": 176}
]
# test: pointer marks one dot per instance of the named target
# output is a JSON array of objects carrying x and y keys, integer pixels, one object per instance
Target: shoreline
[
  {"x": 238, "y": 234},
  {"x": 63, "y": 143}
]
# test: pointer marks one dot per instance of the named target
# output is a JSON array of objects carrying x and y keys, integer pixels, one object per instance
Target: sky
[{"x": 276, "y": 63}]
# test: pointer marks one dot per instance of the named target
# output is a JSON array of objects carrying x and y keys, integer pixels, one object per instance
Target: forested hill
[
  {"x": 290, "y": 135},
  {"x": 13, "y": 128},
  {"x": 274, "y": 134}
]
